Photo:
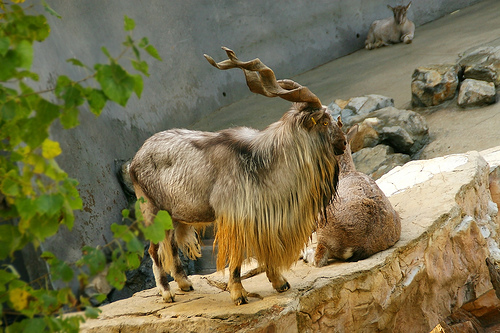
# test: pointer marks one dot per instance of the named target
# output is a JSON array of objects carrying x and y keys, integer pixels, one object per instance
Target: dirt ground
[{"x": 387, "y": 71}]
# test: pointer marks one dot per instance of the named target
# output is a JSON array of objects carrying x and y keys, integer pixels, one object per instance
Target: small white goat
[
  {"x": 391, "y": 30},
  {"x": 360, "y": 221}
]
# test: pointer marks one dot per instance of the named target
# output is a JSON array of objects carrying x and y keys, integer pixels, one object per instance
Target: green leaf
[
  {"x": 129, "y": 23},
  {"x": 141, "y": 66},
  {"x": 26, "y": 208},
  {"x": 27, "y": 74},
  {"x": 133, "y": 261},
  {"x": 135, "y": 245},
  {"x": 136, "y": 52},
  {"x": 116, "y": 276},
  {"x": 125, "y": 213},
  {"x": 73, "y": 96},
  {"x": 122, "y": 232},
  {"x": 91, "y": 312},
  {"x": 60, "y": 270},
  {"x": 139, "y": 85},
  {"x": 9, "y": 185},
  {"x": 143, "y": 42},
  {"x": 4, "y": 45},
  {"x": 93, "y": 258},
  {"x": 47, "y": 112},
  {"x": 116, "y": 83},
  {"x": 153, "y": 52},
  {"x": 10, "y": 238},
  {"x": 106, "y": 52},
  {"x": 8, "y": 110},
  {"x": 62, "y": 82},
  {"x": 75, "y": 62},
  {"x": 156, "y": 231},
  {"x": 69, "y": 118},
  {"x": 9, "y": 63},
  {"x": 50, "y": 10},
  {"x": 24, "y": 52},
  {"x": 49, "y": 204},
  {"x": 97, "y": 100}
]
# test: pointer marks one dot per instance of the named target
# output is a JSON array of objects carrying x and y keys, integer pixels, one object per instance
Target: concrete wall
[{"x": 289, "y": 36}]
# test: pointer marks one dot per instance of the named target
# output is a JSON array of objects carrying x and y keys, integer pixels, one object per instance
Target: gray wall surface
[{"x": 290, "y": 36}]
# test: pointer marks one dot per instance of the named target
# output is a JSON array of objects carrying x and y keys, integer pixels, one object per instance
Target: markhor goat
[{"x": 263, "y": 189}]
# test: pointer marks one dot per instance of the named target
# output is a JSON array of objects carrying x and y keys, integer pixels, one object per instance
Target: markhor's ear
[{"x": 317, "y": 119}]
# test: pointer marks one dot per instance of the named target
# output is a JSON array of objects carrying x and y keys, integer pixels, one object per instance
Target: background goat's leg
[
  {"x": 238, "y": 293},
  {"x": 277, "y": 280}
]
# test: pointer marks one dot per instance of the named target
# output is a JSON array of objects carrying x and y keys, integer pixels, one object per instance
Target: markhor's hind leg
[
  {"x": 277, "y": 280},
  {"x": 160, "y": 274},
  {"x": 175, "y": 267},
  {"x": 149, "y": 211}
]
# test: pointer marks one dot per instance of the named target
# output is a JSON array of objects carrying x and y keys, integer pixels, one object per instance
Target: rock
[
  {"x": 367, "y": 136},
  {"x": 358, "y": 106},
  {"x": 405, "y": 131},
  {"x": 434, "y": 84},
  {"x": 481, "y": 63},
  {"x": 378, "y": 160},
  {"x": 437, "y": 266},
  {"x": 476, "y": 93}
]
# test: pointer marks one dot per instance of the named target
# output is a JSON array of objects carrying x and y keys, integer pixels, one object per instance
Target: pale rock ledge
[{"x": 449, "y": 227}]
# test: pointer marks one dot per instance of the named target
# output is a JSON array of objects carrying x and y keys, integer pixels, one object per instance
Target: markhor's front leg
[{"x": 277, "y": 280}]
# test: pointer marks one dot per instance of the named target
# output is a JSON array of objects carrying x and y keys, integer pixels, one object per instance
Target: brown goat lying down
[
  {"x": 360, "y": 221},
  {"x": 262, "y": 189}
]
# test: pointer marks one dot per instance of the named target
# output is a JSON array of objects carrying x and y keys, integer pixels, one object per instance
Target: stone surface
[
  {"x": 404, "y": 130},
  {"x": 434, "y": 84},
  {"x": 437, "y": 266},
  {"x": 476, "y": 93},
  {"x": 358, "y": 106},
  {"x": 378, "y": 160},
  {"x": 481, "y": 63}
]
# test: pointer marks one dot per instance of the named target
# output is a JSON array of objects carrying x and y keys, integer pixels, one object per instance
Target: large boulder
[
  {"x": 378, "y": 160},
  {"x": 351, "y": 109},
  {"x": 404, "y": 130},
  {"x": 481, "y": 63},
  {"x": 380, "y": 122},
  {"x": 434, "y": 84},
  {"x": 449, "y": 228},
  {"x": 476, "y": 93}
]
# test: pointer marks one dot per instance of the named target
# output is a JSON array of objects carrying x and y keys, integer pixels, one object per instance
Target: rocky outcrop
[
  {"x": 476, "y": 76},
  {"x": 481, "y": 63},
  {"x": 449, "y": 227},
  {"x": 386, "y": 136},
  {"x": 434, "y": 84},
  {"x": 378, "y": 160},
  {"x": 476, "y": 93}
]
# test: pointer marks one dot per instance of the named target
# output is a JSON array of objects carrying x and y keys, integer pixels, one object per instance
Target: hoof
[
  {"x": 168, "y": 296},
  {"x": 241, "y": 300},
  {"x": 185, "y": 285},
  {"x": 190, "y": 288},
  {"x": 283, "y": 288}
]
